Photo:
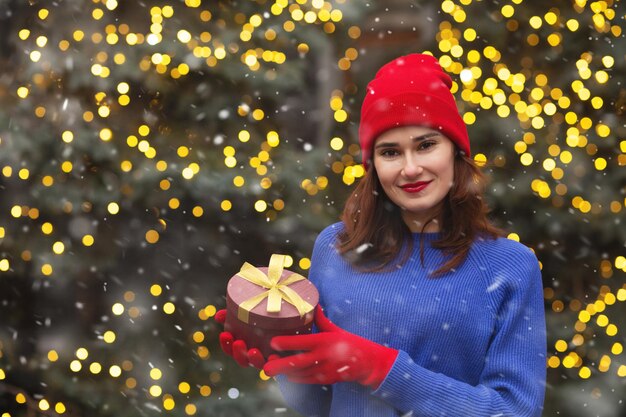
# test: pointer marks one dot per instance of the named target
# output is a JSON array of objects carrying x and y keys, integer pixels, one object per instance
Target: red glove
[
  {"x": 238, "y": 349},
  {"x": 333, "y": 355}
]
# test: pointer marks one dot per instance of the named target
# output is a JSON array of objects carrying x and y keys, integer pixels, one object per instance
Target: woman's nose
[{"x": 412, "y": 167}]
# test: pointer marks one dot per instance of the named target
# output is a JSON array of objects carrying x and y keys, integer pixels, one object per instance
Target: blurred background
[{"x": 148, "y": 149}]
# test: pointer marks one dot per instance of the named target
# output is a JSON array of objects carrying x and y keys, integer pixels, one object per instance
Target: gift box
[{"x": 269, "y": 301}]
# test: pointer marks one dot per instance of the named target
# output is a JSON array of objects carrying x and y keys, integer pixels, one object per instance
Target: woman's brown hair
[{"x": 375, "y": 233}]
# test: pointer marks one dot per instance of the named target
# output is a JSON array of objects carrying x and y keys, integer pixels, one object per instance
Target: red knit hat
[{"x": 410, "y": 90}]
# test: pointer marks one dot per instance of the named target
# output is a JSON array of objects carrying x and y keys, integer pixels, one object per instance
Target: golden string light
[
  {"x": 510, "y": 92},
  {"x": 538, "y": 106},
  {"x": 110, "y": 44}
]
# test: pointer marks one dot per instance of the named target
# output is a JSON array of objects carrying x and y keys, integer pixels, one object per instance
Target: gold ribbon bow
[{"x": 276, "y": 291}]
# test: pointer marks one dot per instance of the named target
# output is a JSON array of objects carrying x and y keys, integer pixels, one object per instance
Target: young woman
[{"x": 427, "y": 309}]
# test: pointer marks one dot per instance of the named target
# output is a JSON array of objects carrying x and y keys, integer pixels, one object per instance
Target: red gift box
[{"x": 269, "y": 301}]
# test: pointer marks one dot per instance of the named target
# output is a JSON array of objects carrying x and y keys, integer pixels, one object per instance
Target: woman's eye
[
  {"x": 388, "y": 152},
  {"x": 427, "y": 144}
]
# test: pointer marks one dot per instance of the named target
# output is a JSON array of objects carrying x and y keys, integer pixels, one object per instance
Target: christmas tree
[{"x": 149, "y": 149}]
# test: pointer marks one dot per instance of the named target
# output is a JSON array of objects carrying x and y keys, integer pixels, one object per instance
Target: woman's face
[{"x": 415, "y": 166}]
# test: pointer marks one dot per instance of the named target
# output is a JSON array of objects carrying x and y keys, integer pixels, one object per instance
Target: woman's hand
[
  {"x": 332, "y": 355},
  {"x": 237, "y": 348}
]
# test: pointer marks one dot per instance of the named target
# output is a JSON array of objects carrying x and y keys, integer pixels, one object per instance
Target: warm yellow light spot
[
  {"x": 67, "y": 167},
  {"x": 113, "y": 208},
  {"x": 304, "y": 263},
  {"x": 106, "y": 134},
  {"x": 584, "y": 316},
  {"x": 152, "y": 236},
  {"x": 198, "y": 337},
  {"x": 182, "y": 151},
  {"x": 115, "y": 371},
  {"x": 203, "y": 352},
  {"x": 155, "y": 373},
  {"x": 513, "y": 236},
  {"x": 58, "y": 247},
  {"x": 239, "y": 181},
  {"x": 82, "y": 353},
  {"x": 53, "y": 356},
  {"x": 44, "y": 405},
  {"x": 126, "y": 166},
  {"x": 584, "y": 372},
  {"x": 190, "y": 409},
  {"x": 109, "y": 336},
  {"x": 230, "y": 162},
  {"x": 41, "y": 41},
  {"x": 597, "y": 102},
  {"x": 16, "y": 211},
  {"x": 104, "y": 111},
  {"x": 273, "y": 139},
  {"x": 67, "y": 136},
  {"x": 480, "y": 159},
  {"x": 600, "y": 164},
  {"x": 95, "y": 368},
  {"x": 535, "y": 22},
  {"x": 549, "y": 164},
  {"x": 46, "y": 269},
  {"x": 611, "y": 330},
  {"x": 554, "y": 39},
  {"x": 260, "y": 206},
  {"x": 60, "y": 408},
  {"x": 570, "y": 360},
  {"x": 23, "y": 34},
  {"x": 554, "y": 362},
  {"x": 184, "y": 387},
  {"x": 226, "y": 205},
  {"x": 169, "y": 308},
  {"x": 131, "y": 383},
  {"x": 526, "y": 159},
  {"x": 507, "y": 11},
  {"x": 605, "y": 363},
  {"x": 156, "y": 290},
  {"x": 469, "y": 118},
  {"x": 341, "y": 116},
  {"x": 243, "y": 136},
  {"x": 187, "y": 173},
  {"x": 183, "y": 35},
  {"x": 75, "y": 366},
  {"x": 22, "y": 92},
  {"x": 258, "y": 114},
  {"x": 197, "y": 211},
  {"x": 602, "y": 320},
  {"x": 161, "y": 166},
  {"x": 143, "y": 130},
  {"x": 168, "y": 403},
  {"x": 550, "y": 18},
  {"x": 118, "y": 309},
  {"x": 336, "y": 143},
  {"x": 603, "y": 130},
  {"x": 47, "y": 228},
  {"x": 155, "y": 391},
  {"x": 88, "y": 240}
]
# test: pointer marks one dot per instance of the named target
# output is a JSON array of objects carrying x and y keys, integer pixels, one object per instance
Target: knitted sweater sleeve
[
  {"x": 311, "y": 400},
  {"x": 513, "y": 380}
]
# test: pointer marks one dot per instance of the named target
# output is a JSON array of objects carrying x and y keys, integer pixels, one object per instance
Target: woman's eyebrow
[
  {"x": 425, "y": 136},
  {"x": 415, "y": 139}
]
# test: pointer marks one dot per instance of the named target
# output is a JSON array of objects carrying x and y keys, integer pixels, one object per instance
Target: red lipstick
[{"x": 415, "y": 187}]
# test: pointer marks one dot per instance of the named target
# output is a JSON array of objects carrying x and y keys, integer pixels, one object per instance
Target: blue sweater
[{"x": 471, "y": 342}]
